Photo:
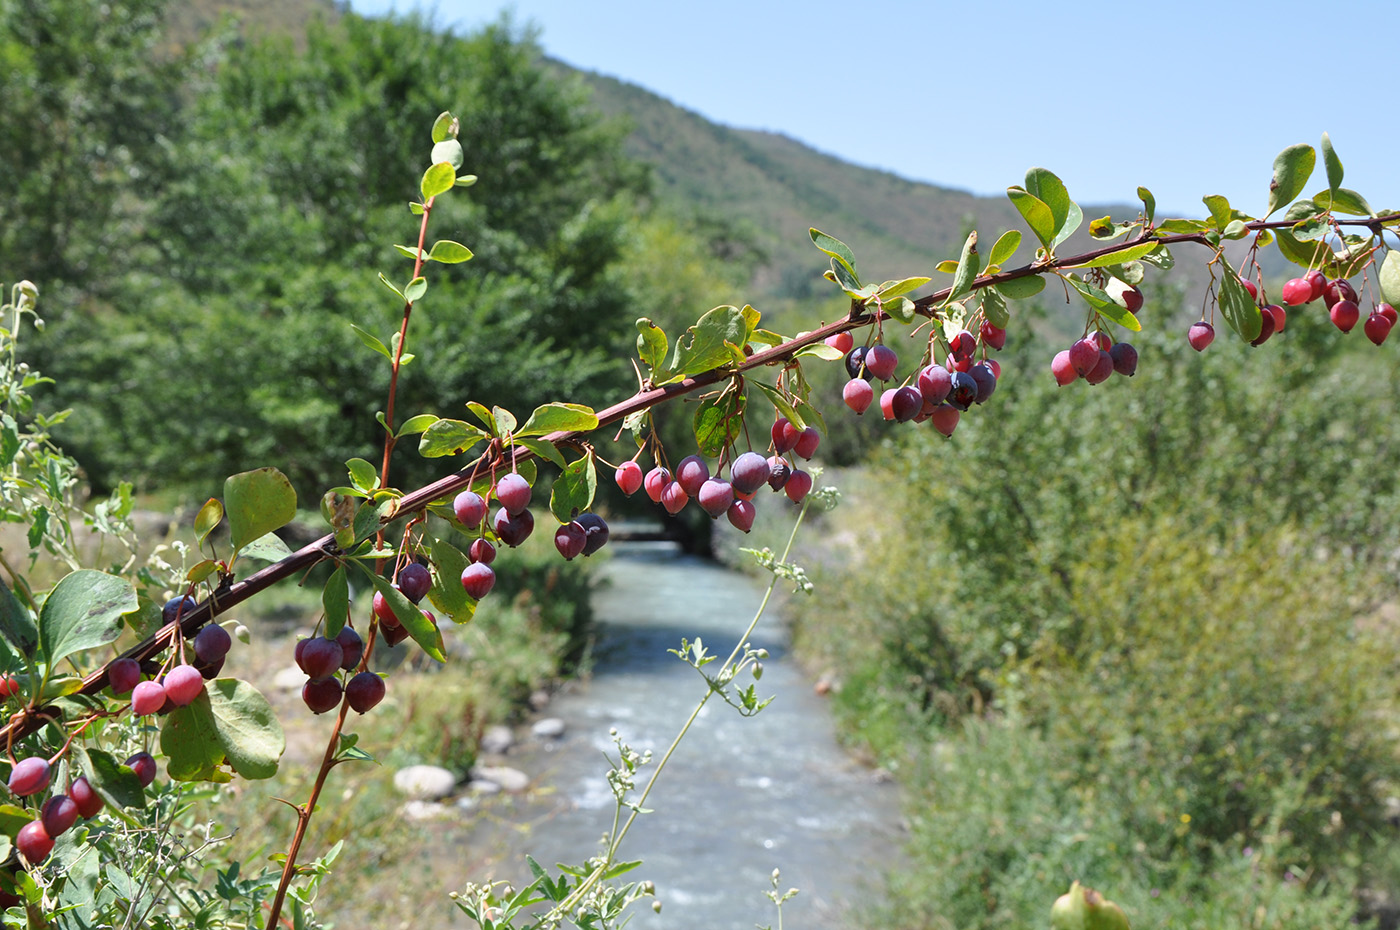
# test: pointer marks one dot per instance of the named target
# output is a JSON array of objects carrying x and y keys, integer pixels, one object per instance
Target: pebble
[
  {"x": 290, "y": 678},
  {"x": 548, "y": 728},
  {"x": 511, "y": 780},
  {"x": 428, "y": 782},
  {"x": 497, "y": 740},
  {"x": 424, "y": 810}
]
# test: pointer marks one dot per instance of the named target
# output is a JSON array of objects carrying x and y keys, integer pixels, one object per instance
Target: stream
[{"x": 741, "y": 796}]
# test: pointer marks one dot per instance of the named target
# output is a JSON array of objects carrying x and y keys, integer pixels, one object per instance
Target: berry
[
  {"x": 1102, "y": 369},
  {"x": 393, "y": 635},
  {"x": 907, "y": 403},
  {"x": 382, "y": 610},
  {"x": 58, "y": 814},
  {"x": 692, "y": 472},
  {"x": 656, "y": 481},
  {"x": 1061, "y": 368},
  {"x": 1102, "y": 340},
  {"x": 935, "y": 382},
  {"x": 1083, "y": 356},
  {"x": 1335, "y": 291},
  {"x": 841, "y": 342},
  {"x": 1297, "y": 291},
  {"x": 470, "y": 508},
  {"x": 482, "y": 551},
  {"x": 569, "y": 540},
  {"x": 953, "y": 363},
  {"x": 147, "y": 698},
  {"x": 125, "y": 674},
  {"x": 1387, "y": 311},
  {"x": 992, "y": 336},
  {"x": 319, "y": 695},
  {"x": 881, "y": 361},
  {"x": 674, "y": 498},
  {"x": 807, "y": 442},
  {"x": 34, "y": 842},
  {"x": 211, "y": 644},
  {"x": 478, "y": 579},
  {"x": 986, "y": 381},
  {"x": 9, "y": 686},
  {"x": 414, "y": 581},
  {"x": 1252, "y": 288},
  {"x": 88, "y": 801},
  {"x": 628, "y": 477},
  {"x": 798, "y": 484},
  {"x": 1132, "y": 300},
  {"x": 1345, "y": 313},
  {"x": 962, "y": 346},
  {"x": 994, "y": 365},
  {"x": 29, "y": 776},
  {"x": 784, "y": 436},
  {"x": 1266, "y": 327},
  {"x": 964, "y": 392},
  {"x": 858, "y": 394},
  {"x": 1200, "y": 335},
  {"x": 855, "y": 362},
  {"x": 364, "y": 691},
  {"x": 143, "y": 764},
  {"x": 183, "y": 684},
  {"x": 1279, "y": 314},
  {"x": 779, "y": 471},
  {"x": 513, "y": 492},
  {"x": 210, "y": 670},
  {"x": 741, "y": 514},
  {"x": 513, "y": 529},
  {"x": 715, "y": 496},
  {"x": 749, "y": 472},
  {"x": 352, "y": 647},
  {"x": 887, "y": 403},
  {"x": 177, "y": 607},
  {"x": 321, "y": 657},
  {"x": 597, "y": 529},
  {"x": 945, "y": 418},
  {"x": 1318, "y": 280},
  {"x": 1125, "y": 358},
  {"x": 1377, "y": 327}
]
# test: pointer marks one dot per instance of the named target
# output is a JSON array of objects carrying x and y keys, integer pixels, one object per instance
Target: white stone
[
  {"x": 425, "y": 810},
  {"x": 497, "y": 740},
  {"x": 548, "y": 728},
  {"x": 290, "y": 678},
  {"x": 511, "y": 780},
  {"x": 425, "y": 782}
]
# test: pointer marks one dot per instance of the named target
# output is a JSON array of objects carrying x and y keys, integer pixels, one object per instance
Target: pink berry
[
  {"x": 147, "y": 698},
  {"x": 691, "y": 473},
  {"x": 88, "y": 801},
  {"x": 807, "y": 442},
  {"x": 1297, "y": 291},
  {"x": 784, "y": 435},
  {"x": 748, "y": 473},
  {"x": 656, "y": 481},
  {"x": 1318, "y": 280},
  {"x": 799, "y": 483},
  {"x": 962, "y": 346},
  {"x": 887, "y": 403},
  {"x": 183, "y": 684},
  {"x": 1062, "y": 369},
  {"x": 478, "y": 579},
  {"x": 513, "y": 491},
  {"x": 741, "y": 514},
  {"x": 1252, "y": 288},
  {"x": 628, "y": 477},
  {"x": 1387, "y": 311},
  {"x": 674, "y": 498},
  {"x": 1102, "y": 340},
  {"x": 34, "y": 842},
  {"x": 715, "y": 496},
  {"x": 881, "y": 361},
  {"x": 841, "y": 342},
  {"x": 1345, "y": 313},
  {"x": 1280, "y": 316},
  {"x": 945, "y": 418},
  {"x": 481, "y": 551},
  {"x": 29, "y": 776},
  {"x": 993, "y": 337},
  {"x": 1200, "y": 335},
  {"x": 1083, "y": 356},
  {"x": 935, "y": 382},
  {"x": 470, "y": 508},
  {"x": 858, "y": 395}
]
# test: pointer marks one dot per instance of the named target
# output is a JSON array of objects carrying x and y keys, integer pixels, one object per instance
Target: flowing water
[{"x": 740, "y": 797}]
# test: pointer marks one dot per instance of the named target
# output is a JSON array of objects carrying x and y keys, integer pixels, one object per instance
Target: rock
[
  {"x": 422, "y": 782},
  {"x": 548, "y": 728},
  {"x": 482, "y": 786},
  {"x": 511, "y": 780},
  {"x": 497, "y": 740},
  {"x": 290, "y": 678},
  {"x": 424, "y": 810}
]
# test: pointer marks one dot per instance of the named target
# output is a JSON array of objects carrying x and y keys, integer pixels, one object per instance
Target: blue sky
[{"x": 1186, "y": 97}]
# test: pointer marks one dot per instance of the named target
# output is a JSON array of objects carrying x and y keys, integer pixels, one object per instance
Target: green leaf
[
  {"x": 1006, "y": 245},
  {"x": 1390, "y": 278},
  {"x": 415, "y": 425},
  {"x": 450, "y": 151},
  {"x": 449, "y": 437},
  {"x": 466, "y": 180},
  {"x": 485, "y": 416},
  {"x": 117, "y": 784},
  {"x": 1036, "y": 213},
  {"x": 444, "y": 127},
  {"x": 1104, "y": 304},
  {"x": 1311, "y": 229},
  {"x": 1050, "y": 190},
  {"x": 1333, "y": 163},
  {"x": 201, "y": 570},
  {"x": 848, "y": 281},
  {"x": 836, "y": 249},
  {"x": 545, "y": 450},
  {"x": 208, "y": 517},
  {"x": 717, "y": 422},
  {"x": 557, "y": 418},
  {"x": 268, "y": 547},
  {"x": 335, "y": 601},
  {"x": 1299, "y": 253},
  {"x": 412, "y": 252},
  {"x": 780, "y": 402},
  {"x": 418, "y": 626},
  {"x": 16, "y": 623},
  {"x": 1149, "y": 203},
  {"x": 229, "y": 721},
  {"x": 439, "y": 179},
  {"x": 1162, "y": 258},
  {"x": 447, "y": 593},
  {"x": 969, "y": 264},
  {"x": 901, "y": 308},
  {"x": 1021, "y": 288},
  {"x": 1239, "y": 309},
  {"x": 1184, "y": 227},
  {"x": 903, "y": 286},
  {"x": 416, "y": 289},
  {"x": 1235, "y": 229},
  {"x": 363, "y": 475},
  {"x": 258, "y": 502},
  {"x": 1105, "y": 228},
  {"x": 1130, "y": 254},
  {"x": 449, "y": 252},
  {"x": 574, "y": 489},
  {"x": 505, "y": 420},
  {"x": 83, "y": 611},
  {"x": 1219, "y": 209},
  {"x": 391, "y": 286},
  {"x": 1076, "y": 217},
  {"x": 1292, "y": 168},
  {"x": 994, "y": 307},
  {"x": 652, "y": 346},
  {"x": 712, "y": 342},
  {"x": 1344, "y": 201},
  {"x": 415, "y": 208},
  {"x": 372, "y": 341},
  {"x": 820, "y": 350}
]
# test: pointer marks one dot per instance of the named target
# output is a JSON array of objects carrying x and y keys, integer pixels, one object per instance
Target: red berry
[
  {"x": 319, "y": 695},
  {"x": 692, "y": 472},
  {"x": 34, "y": 842},
  {"x": 352, "y": 647},
  {"x": 881, "y": 361},
  {"x": 1132, "y": 300},
  {"x": 513, "y": 491},
  {"x": 513, "y": 529},
  {"x": 945, "y": 418},
  {"x": 784, "y": 434},
  {"x": 656, "y": 481},
  {"x": 1280, "y": 316},
  {"x": 798, "y": 484},
  {"x": 569, "y": 540},
  {"x": 779, "y": 471},
  {"x": 1377, "y": 327},
  {"x": 1083, "y": 356},
  {"x": 1200, "y": 335},
  {"x": 364, "y": 691},
  {"x": 962, "y": 346},
  {"x": 1252, "y": 288},
  {"x": 1297, "y": 291},
  {"x": 478, "y": 579},
  {"x": 482, "y": 551},
  {"x": 741, "y": 514},
  {"x": 858, "y": 394},
  {"x": 58, "y": 814},
  {"x": 992, "y": 336},
  {"x": 1266, "y": 326},
  {"x": 470, "y": 508},
  {"x": 1319, "y": 283},
  {"x": 1062, "y": 369},
  {"x": 147, "y": 698},
  {"x": 1125, "y": 358},
  {"x": 887, "y": 402},
  {"x": 144, "y": 765},
  {"x": 628, "y": 477},
  {"x": 986, "y": 381},
  {"x": 935, "y": 382},
  {"x": 322, "y": 657},
  {"x": 807, "y": 442},
  {"x": 1336, "y": 291},
  {"x": 841, "y": 342},
  {"x": 183, "y": 684},
  {"x": 1102, "y": 369},
  {"x": 748, "y": 473},
  {"x": 1102, "y": 340},
  {"x": 715, "y": 496},
  {"x": 1345, "y": 313},
  {"x": 1387, "y": 311},
  {"x": 907, "y": 403},
  {"x": 88, "y": 801},
  {"x": 414, "y": 581},
  {"x": 211, "y": 644},
  {"x": 29, "y": 776},
  {"x": 382, "y": 610},
  {"x": 674, "y": 498},
  {"x": 123, "y": 675}
]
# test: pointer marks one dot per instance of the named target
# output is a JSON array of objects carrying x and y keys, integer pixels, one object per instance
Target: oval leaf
[
  {"x": 439, "y": 179},
  {"x": 1292, "y": 168},
  {"x": 229, "y": 721},
  {"x": 1005, "y": 247},
  {"x": 1021, "y": 288},
  {"x": 448, "y": 437},
  {"x": 449, "y": 252},
  {"x": 553, "y": 418},
  {"x": 208, "y": 517},
  {"x": 335, "y": 600},
  {"x": 83, "y": 611},
  {"x": 1036, "y": 212},
  {"x": 574, "y": 489},
  {"x": 258, "y": 502}
]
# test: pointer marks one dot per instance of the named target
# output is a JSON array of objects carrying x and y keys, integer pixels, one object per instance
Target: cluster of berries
[
  {"x": 940, "y": 393},
  {"x": 31, "y": 776},
  {"x": 1340, "y": 299},
  {"x": 1095, "y": 358}
]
